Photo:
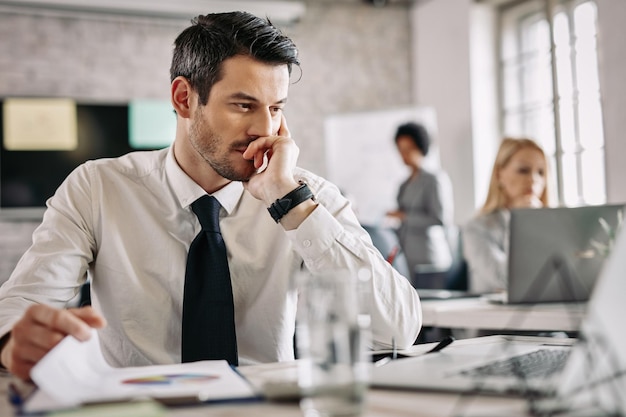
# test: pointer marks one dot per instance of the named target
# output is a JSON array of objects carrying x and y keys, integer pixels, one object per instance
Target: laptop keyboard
[{"x": 537, "y": 364}]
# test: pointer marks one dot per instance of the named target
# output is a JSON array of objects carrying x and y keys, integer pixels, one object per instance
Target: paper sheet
[{"x": 75, "y": 373}]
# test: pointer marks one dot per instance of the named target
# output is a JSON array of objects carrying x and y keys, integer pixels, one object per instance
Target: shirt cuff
[{"x": 315, "y": 235}]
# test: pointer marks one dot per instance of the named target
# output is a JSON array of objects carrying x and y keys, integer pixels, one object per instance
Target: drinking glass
[{"x": 333, "y": 338}]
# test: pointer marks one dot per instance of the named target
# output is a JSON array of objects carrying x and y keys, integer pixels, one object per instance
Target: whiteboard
[{"x": 363, "y": 161}]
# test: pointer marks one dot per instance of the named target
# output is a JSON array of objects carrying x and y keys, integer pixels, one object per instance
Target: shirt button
[{"x": 306, "y": 243}]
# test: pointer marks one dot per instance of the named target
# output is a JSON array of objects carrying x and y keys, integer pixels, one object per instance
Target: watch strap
[{"x": 282, "y": 206}]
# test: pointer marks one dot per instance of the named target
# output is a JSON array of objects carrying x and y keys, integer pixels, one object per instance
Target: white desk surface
[
  {"x": 379, "y": 402},
  {"x": 478, "y": 313}
]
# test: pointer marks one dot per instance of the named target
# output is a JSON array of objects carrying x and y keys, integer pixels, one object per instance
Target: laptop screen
[
  {"x": 595, "y": 375},
  {"x": 556, "y": 254}
]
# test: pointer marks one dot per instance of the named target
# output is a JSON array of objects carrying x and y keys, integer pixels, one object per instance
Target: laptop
[
  {"x": 556, "y": 254},
  {"x": 590, "y": 372},
  {"x": 443, "y": 294}
]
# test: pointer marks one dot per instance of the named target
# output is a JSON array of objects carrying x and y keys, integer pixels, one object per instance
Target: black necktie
[{"x": 208, "y": 311}]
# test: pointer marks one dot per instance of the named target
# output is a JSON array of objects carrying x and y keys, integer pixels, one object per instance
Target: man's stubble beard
[{"x": 207, "y": 143}]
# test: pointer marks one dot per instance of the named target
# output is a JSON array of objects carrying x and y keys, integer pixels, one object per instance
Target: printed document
[{"x": 75, "y": 373}]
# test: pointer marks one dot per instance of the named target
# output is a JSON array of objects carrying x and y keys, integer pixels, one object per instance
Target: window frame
[{"x": 510, "y": 17}]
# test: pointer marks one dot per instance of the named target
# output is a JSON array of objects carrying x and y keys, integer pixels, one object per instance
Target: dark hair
[
  {"x": 417, "y": 133},
  {"x": 200, "y": 49}
]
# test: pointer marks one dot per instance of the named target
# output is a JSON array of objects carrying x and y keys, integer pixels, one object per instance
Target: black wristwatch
[{"x": 283, "y": 205}]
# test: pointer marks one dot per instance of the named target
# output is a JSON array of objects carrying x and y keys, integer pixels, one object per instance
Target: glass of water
[{"x": 333, "y": 339}]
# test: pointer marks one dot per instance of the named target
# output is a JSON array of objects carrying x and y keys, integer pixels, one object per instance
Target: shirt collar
[{"x": 187, "y": 190}]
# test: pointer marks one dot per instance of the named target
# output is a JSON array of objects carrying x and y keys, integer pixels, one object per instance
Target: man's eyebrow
[
  {"x": 247, "y": 97},
  {"x": 243, "y": 96}
]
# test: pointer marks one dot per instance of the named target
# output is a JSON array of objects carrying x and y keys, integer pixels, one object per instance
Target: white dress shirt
[{"x": 126, "y": 224}]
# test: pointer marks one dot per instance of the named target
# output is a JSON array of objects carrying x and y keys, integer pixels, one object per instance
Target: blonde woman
[{"x": 518, "y": 180}]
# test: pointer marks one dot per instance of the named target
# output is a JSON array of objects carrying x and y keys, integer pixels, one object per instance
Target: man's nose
[{"x": 262, "y": 124}]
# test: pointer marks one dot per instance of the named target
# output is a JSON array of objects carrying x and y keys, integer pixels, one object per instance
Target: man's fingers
[
  {"x": 62, "y": 321},
  {"x": 256, "y": 150},
  {"x": 21, "y": 369},
  {"x": 283, "y": 130},
  {"x": 262, "y": 144},
  {"x": 40, "y": 329},
  {"x": 26, "y": 347},
  {"x": 258, "y": 159},
  {"x": 89, "y": 316},
  {"x": 28, "y": 353},
  {"x": 258, "y": 145},
  {"x": 29, "y": 333}
]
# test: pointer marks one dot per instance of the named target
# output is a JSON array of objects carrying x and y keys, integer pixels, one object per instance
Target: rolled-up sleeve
[{"x": 331, "y": 238}]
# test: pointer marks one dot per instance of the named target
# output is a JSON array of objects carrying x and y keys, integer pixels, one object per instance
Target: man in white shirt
[{"x": 126, "y": 223}]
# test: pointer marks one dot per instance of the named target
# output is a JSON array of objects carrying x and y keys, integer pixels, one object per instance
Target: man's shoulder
[{"x": 136, "y": 163}]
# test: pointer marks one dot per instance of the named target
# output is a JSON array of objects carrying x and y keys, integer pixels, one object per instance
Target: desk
[
  {"x": 478, "y": 313},
  {"x": 379, "y": 403}
]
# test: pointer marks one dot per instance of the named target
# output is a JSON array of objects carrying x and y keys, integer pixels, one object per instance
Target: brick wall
[{"x": 354, "y": 58}]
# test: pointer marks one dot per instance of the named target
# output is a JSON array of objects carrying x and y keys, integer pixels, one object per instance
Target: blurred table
[
  {"x": 479, "y": 313},
  {"x": 379, "y": 402}
]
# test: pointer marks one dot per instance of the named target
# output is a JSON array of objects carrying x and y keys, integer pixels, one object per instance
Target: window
[{"x": 552, "y": 94}]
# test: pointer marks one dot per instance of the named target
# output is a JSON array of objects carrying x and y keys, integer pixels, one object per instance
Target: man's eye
[
  {"x": 244, "y": 106},
  {"x": 276, "y": 109}
]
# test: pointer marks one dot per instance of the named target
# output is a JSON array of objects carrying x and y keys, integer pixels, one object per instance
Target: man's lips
[
  {"x": 241, "y": 146},
  {"x": 240, "y": 149}
]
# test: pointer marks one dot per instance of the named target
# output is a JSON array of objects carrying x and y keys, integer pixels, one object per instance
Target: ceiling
[{"x": 278, "y": 10}]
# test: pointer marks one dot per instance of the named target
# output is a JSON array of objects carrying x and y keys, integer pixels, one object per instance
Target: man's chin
[{"x": 242, "y": 174}]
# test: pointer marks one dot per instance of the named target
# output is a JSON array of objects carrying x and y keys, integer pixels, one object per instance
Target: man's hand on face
[
  {"x": 276, "y": 179},
  {"x": 40, "y": 329}
]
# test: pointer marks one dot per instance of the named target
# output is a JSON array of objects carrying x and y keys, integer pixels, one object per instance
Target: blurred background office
[{"x": 485, "y": 68}]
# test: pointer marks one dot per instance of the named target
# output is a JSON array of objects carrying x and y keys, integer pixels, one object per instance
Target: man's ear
[{"x": 181, "y": 94}]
